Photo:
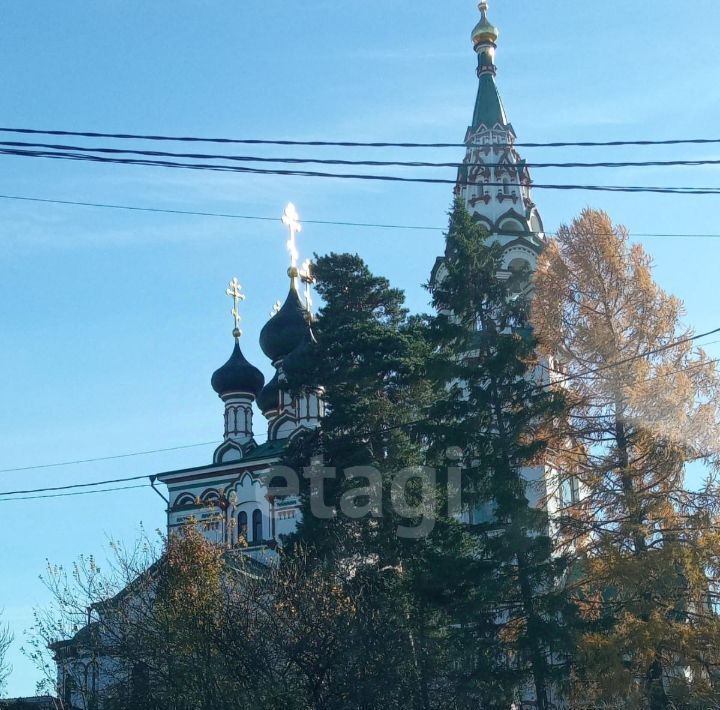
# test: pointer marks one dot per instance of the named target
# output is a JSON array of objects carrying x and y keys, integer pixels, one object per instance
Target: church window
[
  {"x": 257, "y": 531},
  {"x": 569, "y": 492},
  {"x": 242, "y": 525}
]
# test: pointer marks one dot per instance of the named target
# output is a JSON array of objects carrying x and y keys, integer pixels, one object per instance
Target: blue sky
[{"x": 112, "y": 322}]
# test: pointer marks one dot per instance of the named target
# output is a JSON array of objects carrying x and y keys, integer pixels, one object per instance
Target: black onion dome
[
  {"x": 285, "y": 329},
  {"x": 237, "y": 375},
  {"x": 269, "y": 398},
  {"x": 295, "y": 363}
]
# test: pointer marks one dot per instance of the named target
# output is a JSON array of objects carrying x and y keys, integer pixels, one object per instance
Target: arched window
[
  {"x": 257, "y": 531},
  {"x": 242, "y": 525}
]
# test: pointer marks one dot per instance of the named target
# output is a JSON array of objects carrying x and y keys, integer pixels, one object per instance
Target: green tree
[
  {"x": 644, "y": 405},
  {"x": 502, "y": 421},
  {"x": 371, "y": 359}
]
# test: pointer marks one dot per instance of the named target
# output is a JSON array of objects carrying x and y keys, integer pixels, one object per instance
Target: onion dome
[
  {"x": 237, "y": 375},
  {"x": 269, "y": 398},
  {"x": 282, "y": 333},
  {"x": 295, "y": 362},
  {"x": 484, "y": 31}
]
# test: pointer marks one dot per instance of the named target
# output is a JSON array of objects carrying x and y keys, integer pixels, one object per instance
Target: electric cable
[
  {"x": 370, "y": 163},
  {"x": 76, "y": 493},
  {"x": 106, "y": 458},
  {"x": 335, "y": 223},
  {"x": 353, "y": 144},
  {"x": 676, "y": 190}
]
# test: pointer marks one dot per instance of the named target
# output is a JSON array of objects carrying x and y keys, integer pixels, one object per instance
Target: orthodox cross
[
  {"x": 234, "y": 290},
  {"x": 291, "y": 219},
  {"x": 308, "y": 279}
]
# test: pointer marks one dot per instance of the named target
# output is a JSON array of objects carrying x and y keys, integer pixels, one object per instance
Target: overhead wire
[
  {"x": 105, "y": 458},
  {"x": 59, "y": 147},
  {"x": 9, "y": 494},
  {"x": 76, "y": 493},
  {"x": 351, "y": 144},
  {"x": 334, "y": 223},
  {"x": 82, "y": 157}
]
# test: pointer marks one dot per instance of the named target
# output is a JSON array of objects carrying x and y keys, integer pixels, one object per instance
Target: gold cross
[
  {"x": 234, "y": 290},
  {"x": 291, "y": 219}
]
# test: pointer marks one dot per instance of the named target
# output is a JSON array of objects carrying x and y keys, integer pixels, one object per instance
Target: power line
[
  {"x": 352, "y": 144},
  {"x": 73, "y": 485},
  {"x": 77, "y": 493},
  {"x": 368, "y": 163},
  {"x": 569, "y": 378},
  {"x": 673, "y": 190},
  {"x": 106, "y": 458},
  {"x": 364, "y": 433},
  {"x": 632, "y": 358},
  {"x": 335, "y": 223},
  {"x": 224, "y": 215}
]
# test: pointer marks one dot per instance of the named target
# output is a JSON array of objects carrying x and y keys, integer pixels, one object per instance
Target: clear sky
[{"x": 112, "y": 322}]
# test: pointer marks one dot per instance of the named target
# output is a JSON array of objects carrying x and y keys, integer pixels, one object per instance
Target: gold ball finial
[
  {"x": 293, "y": 272},
  {"x": 237, "y": 332},
  {"x": 484, "y": 31}
]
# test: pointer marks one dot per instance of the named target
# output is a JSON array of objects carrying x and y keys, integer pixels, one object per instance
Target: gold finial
[
  {"x": 276, "y": 307},
  {"x": 308, "y": 279},
  {"x": 291, "y": 219},
  {"x": 234, "y": 290},
  {"x": 484, "y": 32}
]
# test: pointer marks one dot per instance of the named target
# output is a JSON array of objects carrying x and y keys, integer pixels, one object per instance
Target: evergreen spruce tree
[
  {"x": 645, "y": 403},
  {"x": 502, "y": 424},
  {"x": 370, "y": 358}
]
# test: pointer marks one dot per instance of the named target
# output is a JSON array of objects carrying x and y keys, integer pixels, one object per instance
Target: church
[{"x": 227, "y": 498}]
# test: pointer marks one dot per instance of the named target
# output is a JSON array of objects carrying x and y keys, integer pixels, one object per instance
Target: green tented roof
[{"x": 489, "y": 109}]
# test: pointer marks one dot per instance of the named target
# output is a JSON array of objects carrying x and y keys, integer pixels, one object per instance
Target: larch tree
[
  {"x": 517, "y": 618},
  {"x": 644, "y": 405}
]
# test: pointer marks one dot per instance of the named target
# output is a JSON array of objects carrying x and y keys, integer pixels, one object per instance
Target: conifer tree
[
  {"x": 644, "y": 405},
  {"x": 370, "y": 358},
  {"x": 503, "y": 422}
]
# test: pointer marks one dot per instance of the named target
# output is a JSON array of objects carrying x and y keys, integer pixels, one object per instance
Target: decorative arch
[
  {"x": 510, "y": 217},
  {"x": 517, "y": 252},
  {"x": 245, "y": 477},
  {"x": 210, "y": 495},
  {"x": 184, "y": 499},
  {"x": 277, "y": 425},
  {"x": 228, "y": 452},
  {"x": 536, "y": 223}
]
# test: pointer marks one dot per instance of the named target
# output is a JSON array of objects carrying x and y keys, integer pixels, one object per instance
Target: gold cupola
[{"x": 484, "y": 32}]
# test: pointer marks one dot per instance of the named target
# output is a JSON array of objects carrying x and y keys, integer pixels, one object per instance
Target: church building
[{"x": 228, "y": 498}]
